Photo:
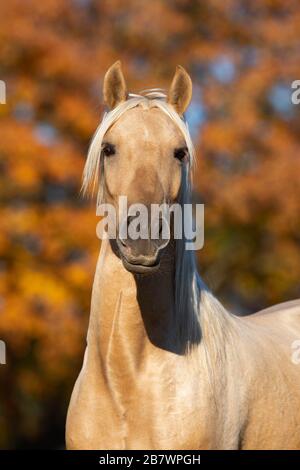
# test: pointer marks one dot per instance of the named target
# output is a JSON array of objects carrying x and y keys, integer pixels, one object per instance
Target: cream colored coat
[{"x": 238, "y": 388}]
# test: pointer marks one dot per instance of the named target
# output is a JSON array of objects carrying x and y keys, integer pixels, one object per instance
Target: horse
[{"x": 166, "y": 366}]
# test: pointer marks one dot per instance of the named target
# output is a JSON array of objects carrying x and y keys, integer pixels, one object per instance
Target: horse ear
[
  {"x": 180, "y": 92},
  {"x": 114, "y": 86}
]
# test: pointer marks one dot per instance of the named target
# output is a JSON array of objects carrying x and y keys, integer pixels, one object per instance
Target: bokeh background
[{"x": 243, "y": 57}]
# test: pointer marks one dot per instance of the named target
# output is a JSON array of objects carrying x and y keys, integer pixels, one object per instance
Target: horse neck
[{"x": 130, "y": 314}]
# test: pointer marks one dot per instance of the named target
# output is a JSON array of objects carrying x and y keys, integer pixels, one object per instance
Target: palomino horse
[{"x": 166, "y": 366}]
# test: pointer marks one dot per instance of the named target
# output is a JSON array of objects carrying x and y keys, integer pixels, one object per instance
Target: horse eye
[
  {"x": 181, "y": 153},
  {"x": 108, "y": 150}
]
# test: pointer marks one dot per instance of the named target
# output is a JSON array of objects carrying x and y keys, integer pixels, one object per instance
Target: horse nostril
[
  {"x": 125, "y": 229},
  {"x": 160, "y": 227},
  {"x": 130, "y": 218},
  {"x": 122, "y": 242}
]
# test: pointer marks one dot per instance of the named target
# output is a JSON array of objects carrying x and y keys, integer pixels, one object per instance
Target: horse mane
[{"x": 188, "y": 285}]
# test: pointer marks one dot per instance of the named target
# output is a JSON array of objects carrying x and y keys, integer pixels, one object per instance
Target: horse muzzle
[{"x": 139, "y": 256}]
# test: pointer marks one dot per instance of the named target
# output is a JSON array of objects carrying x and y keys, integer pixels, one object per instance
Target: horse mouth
[
  {"x": 136, "y": 266},
  {"x": 138, "y": 263}
]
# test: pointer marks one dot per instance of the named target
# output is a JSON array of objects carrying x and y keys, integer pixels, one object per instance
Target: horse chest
[{"x": 160, "y": 406}]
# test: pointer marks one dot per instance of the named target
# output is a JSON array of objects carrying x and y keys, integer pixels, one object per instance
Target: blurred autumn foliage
[{"x": 243, "y": 57}]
